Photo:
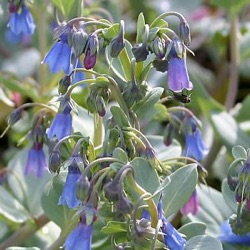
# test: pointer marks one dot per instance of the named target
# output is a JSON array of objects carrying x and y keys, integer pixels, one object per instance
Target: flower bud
[
  {"x": 185, "y": 32},
  {"x": 64, "y": 84},
  {"x": 158, "y": 47},
  {"x": 100, "y": 105},
  {"x": 14, "y": 5},
  {"x": 124, "y": 205},
  {"x": 140, "y": 52},
  {"x": 15, "y": 116},
  {"x": 111, "y": 190},
  {"x": 89, "y": 60},
  {"x": 54, "y": 161},
  {"x": 118, "y": 43},
  {"x": 82, "y": 187},
  {"x": 79, "y": 41}
]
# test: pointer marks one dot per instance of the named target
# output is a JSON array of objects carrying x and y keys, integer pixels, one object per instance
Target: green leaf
[
  {"x": 111, "y": 32},
  {"x": 229, "y": 196},
  {"x": 228, "y": 130},
  {"x": 239, "y": 152},
  {"x": 145, "y": 106},
  {"x": 181, "y": 186},
  {"x": 115, "y": 227},
  {"x": 203, "y": 242},
  {"x": 145, "y": 175},
  {"x": 64, "y": 5},
  {"x": 50, "y": 197},
  {"x": 140, "y": 28},
  {"x": 193, "y": 229},
  {"x": 120, "y": 154},
  {"x": 119, "y": 116},
  {"x": 11, "y": 208}
]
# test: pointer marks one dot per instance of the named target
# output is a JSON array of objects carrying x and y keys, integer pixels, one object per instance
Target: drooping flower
[
  {"x": 36, "y": 162},
  {"x": 229, "y": 237},
  {"x": 192, "y": 205},
  {"x": 21, "y": 20},
  {"x": 68, "y": 196},
  {"x": 177, "y": 77},
  {"x": 195, "y": 146},
  {"x": 61, "y": 125},
  {"x": 172, "y": 238},
  {"x": 59, "y": 56},
  {"x": 80, "y": 238}
]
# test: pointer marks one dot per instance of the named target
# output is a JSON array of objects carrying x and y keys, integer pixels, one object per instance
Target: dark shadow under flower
[
  {"x": 68, "y": 196},
  {"x": 61, "y": 125},
  {"x": 80, "y": 238},
  {"x": 21, "y": 21},
  {"x": 36, "y": 162}
]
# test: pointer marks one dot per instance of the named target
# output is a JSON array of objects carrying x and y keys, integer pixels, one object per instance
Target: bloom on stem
[
  {"x": 68, "y": 196},
  {"x": 61, "y": 125},
  {"x": 21, "y": 21},
  {"x": 36, "y": 162},
  {"x": 195, "y": 146},
  {"x": 172, "y": 239},
  {"x": 177, "y": 78},
  {"x": 80, "y": 237}
]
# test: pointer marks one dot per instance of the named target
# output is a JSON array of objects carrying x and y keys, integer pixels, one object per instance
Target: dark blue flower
[
  {"x": 68, "y": 196},
  {"x": 21, "y": 21},
  {"x": 228, "y": 236},
  {"x": 59, "y": 57},
  {"x": 192, "y": 205},
  {"x": 195, "y": 146},
  {"x": 36, "y": 162},
  {"x": 178, "y": 78},
  {"x": 80, "y": 238},
  {"x": 61, "y": 125},
  {"x": 172, "y": 238}
]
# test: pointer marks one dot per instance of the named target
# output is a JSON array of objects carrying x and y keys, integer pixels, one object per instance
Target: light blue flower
[
  {"x": 229, "y": 237},
  {"x": 172, "y": 238},
  {"x": 21, "y": 21},
  {"x": 68, "y": 196},
  {"x": 80, "y": 238},
  {"x": 36, "y": 162},
  {"x": 61, "y": 125},
  {"x": 195, "y": 146}
]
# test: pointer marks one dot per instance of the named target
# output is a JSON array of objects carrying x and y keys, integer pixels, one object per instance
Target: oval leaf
[{"x": 203, "y": 242}]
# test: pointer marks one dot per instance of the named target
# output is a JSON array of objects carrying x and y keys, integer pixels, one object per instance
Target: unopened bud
[
  {"x": 100, "y": 106},
  {"x": 158, "y": 47},
  {"x": 185, "y": 32},
  {"x": 89, "y": 60},
  {"x": 124, "y": 205},
  {"x": 54, "y": 161},
  {"x": 15, "y": 116},
  {"x": 79, "y": 41},
  {"x": 64, "y": 84},
  {"x": 111, "y": 190},
  {"x": 118, "y": 43},
  {"x": 82, "y": 187},
  {"x": 140, "y": 52}
]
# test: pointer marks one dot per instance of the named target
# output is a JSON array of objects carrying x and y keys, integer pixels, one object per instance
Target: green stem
[
  {"x": 151, "y": 205},
  {"x": 169, "y": 13},
  {"x": 25, "y": 232},
  {"x": 234, "y": 64},
  {"x": 98, "y": 130}
]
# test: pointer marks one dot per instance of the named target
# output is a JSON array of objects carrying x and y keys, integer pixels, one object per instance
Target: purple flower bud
[
  {"x": 111, "y": 190},
  {"x": 185, "y": 32},
  {"x": 64, "y": 84},
  {"x": 117, "y": 43},
  {"x": 140, "y": 52},
  {"x": 100, "y": 106},
  {"x": 89, "y": 60},
  {"x": 124, "y": 205},
  {"x": 15, "y": 116}
]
